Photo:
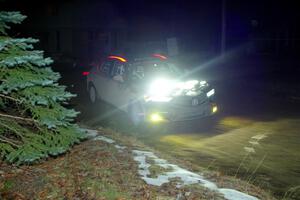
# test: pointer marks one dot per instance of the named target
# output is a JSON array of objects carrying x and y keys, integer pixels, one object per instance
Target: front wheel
[{"x": 93, "y": 96}]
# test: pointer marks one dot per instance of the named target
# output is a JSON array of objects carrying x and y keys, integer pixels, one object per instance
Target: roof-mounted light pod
[
  {"x": 161, "y": 57},
  {"x": 117, "y": 58}
]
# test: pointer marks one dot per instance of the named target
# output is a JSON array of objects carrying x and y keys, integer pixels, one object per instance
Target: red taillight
[
  {"x": 118, "y": 58},
  {"x": 160, "y": 56},
  {"x": 85, "y": 73}
]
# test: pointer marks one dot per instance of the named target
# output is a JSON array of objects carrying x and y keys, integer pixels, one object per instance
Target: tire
[
  {"x": 93, "y": 95},
  {"x": 134, "y": 110}
]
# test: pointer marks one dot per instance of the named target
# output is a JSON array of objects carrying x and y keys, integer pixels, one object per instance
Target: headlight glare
[
  {"x": 160, "y": 90},
  {"x": 188, "y": 85},
  {"x": 161, "y": 87},
  {"x": 203, "y": 82}
]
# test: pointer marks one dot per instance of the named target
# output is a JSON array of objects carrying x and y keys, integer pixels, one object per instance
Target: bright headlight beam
[
  {"x": 203, "y": 82},
  {"x": 190, "y": 84},
  {"x": 155, "y": 117},
  {"x": 187, "y": 85},
  {"x": 160, "y": 90},
  {"x": 161, "y": 87},
  {"x": 157, "y": 98},
  {"x": 210, "y": 93}
]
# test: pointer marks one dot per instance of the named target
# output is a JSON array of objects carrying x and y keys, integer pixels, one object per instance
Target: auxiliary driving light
[
  {"x": 214, "y": 109},
  {"x": 155, "y": 117}
]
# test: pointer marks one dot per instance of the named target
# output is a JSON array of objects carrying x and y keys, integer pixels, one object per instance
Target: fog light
[
  {"x": 214, "y": 109},
  {"x": 155, "y": 117}
]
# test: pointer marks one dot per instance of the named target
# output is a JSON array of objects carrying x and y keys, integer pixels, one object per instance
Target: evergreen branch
[
  {"x": 21, "y": 43},
  {"x": 17, "y": 118},
  {"x": 9, "y": 17},
  {"x": 12, "y": 129},
  {"x": 9, "y": 142},
  {"x": 11, "y": 98},
  {"x": 37, "y": 99}
]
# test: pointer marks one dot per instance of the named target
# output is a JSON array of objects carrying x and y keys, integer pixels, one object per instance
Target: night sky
[{"x": 196, "y": 23}]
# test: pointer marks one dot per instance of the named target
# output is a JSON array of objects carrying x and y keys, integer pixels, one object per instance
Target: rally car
[{"x": 150, "y": 89}]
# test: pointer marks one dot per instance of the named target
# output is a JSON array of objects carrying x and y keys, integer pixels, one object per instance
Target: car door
[
  {"x": 120, "y": 93},
  {"x": 102, "y": 80}
]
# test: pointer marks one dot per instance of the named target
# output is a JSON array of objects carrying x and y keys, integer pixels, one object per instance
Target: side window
[
  {"x": 119, "y": 69},
  {"x": 118, "y": 72},
  {"x": 106, "y": 68},
  {"x": 138, "y": 72}
]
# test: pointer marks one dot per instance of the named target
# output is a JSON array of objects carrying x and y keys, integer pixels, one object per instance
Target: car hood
[{"x": 191, "y": 88}]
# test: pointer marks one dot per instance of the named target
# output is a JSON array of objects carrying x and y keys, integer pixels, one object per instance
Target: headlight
[
  {"x": 210, "y": 93},
  {"x": 162, "y": 87},
  {"x": 163, "y": 90},
  {"x": 160, "y": 90}
]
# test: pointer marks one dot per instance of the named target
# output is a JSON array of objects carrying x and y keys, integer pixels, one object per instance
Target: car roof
[{"x": 153, "y": 57}]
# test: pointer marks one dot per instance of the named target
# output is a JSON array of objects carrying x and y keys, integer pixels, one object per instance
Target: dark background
[
  {"x": 268, "y": 28},
  {"x": 256, "y": 75},
  {"x": 261, "y": 38}
]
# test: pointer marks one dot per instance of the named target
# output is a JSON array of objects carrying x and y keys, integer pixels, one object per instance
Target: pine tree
[{"x": 33, "y": 120}]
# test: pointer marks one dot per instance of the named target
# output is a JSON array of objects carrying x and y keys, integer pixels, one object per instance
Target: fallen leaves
[{"x": 92, "y": 170}]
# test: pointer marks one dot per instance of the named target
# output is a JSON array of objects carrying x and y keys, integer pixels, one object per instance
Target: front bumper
[{"x": 175, "y": 112}]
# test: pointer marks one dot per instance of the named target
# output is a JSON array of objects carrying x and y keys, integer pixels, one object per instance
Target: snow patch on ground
[
  {"x": 94, "y": 134},
  {"x": 104, "y": 139},
  {"x": 90, "y": 133},
  {"x": 235, "y": 195},
  {"x": 174, "y": 171},
  {"x": 187, "y": 177},
  {"x": 120, "y": 148}
]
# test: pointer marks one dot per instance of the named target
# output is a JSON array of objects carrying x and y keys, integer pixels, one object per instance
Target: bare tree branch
[
  {"x": 17, "y": 118},
  {"x": 10, "y": 98},
  {"x": 12, "y": 129},
  {"x": 9, "y": 142}
]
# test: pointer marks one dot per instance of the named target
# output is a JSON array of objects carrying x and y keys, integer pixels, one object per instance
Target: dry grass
[
  {"x": 171, "y": 153},
  {"x": 91, "y": 170},
  {"x": 272, "y": 164}
]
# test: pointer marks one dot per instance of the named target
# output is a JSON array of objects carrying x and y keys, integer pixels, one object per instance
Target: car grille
[{"x": 187, "y": 101}]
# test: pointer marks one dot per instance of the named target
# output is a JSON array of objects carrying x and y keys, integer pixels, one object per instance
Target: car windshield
[{"x": 148, "y": 69}]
